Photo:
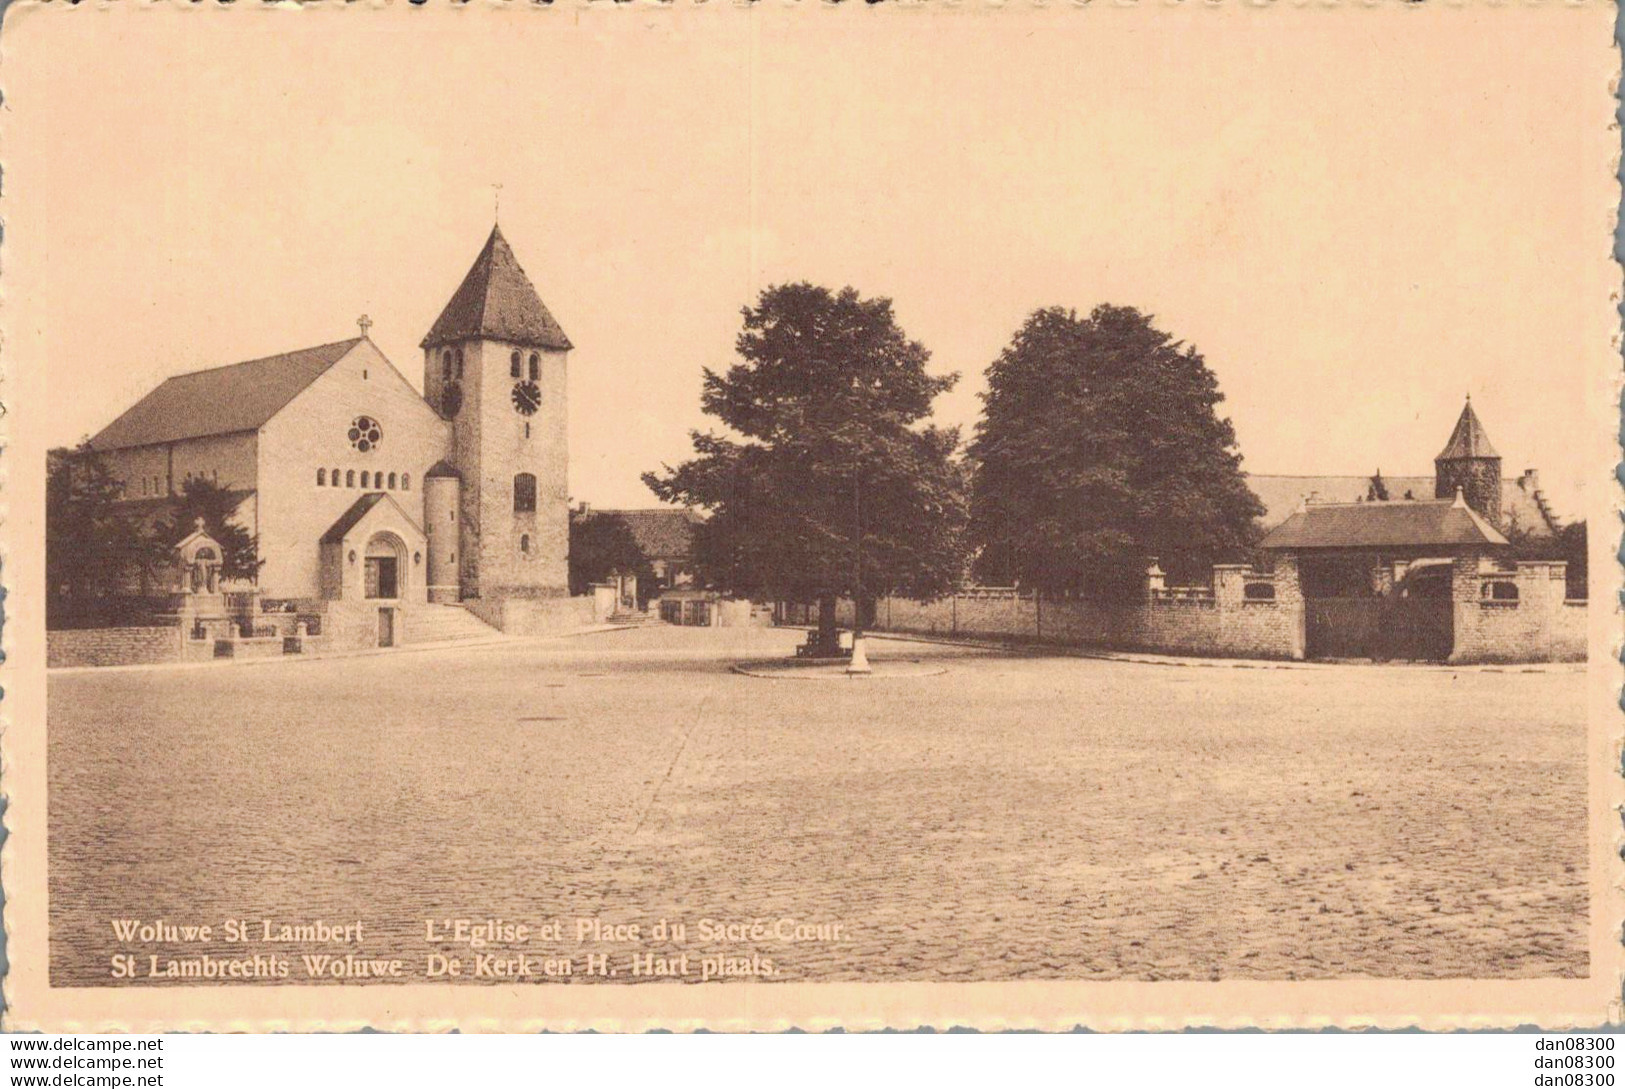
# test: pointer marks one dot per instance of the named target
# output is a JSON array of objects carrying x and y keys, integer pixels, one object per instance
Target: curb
[
  {"x": 1133, "y": 658},
  {"x": 774, "y": 671}
]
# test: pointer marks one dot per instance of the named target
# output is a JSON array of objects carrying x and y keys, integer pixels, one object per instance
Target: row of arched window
[
  {"x": 451, "y": 365},
  {"x": 326, "y": 478}
]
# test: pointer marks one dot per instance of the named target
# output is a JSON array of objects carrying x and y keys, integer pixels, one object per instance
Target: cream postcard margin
[{"x": 49, "y": 50}]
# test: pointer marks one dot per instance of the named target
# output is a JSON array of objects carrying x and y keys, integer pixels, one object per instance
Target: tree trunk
[{"x": 829, "y": 636}]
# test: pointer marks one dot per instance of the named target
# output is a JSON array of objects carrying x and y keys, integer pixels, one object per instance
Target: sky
[{"x": 1356, "y": 227}]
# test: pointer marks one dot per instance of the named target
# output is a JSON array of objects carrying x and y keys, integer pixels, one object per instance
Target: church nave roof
[{"x": 220, "y": 400}]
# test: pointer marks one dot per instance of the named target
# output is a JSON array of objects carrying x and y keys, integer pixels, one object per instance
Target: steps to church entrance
[{"x": 444, "y": 624}]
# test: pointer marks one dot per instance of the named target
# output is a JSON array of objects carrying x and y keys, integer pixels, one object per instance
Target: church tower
[
  {"x": 1470, "y": 463},
  {"x": 494, "y": 365}
]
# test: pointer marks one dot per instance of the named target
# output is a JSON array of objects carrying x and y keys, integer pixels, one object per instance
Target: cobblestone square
[{"x": 1017, "y": 817}]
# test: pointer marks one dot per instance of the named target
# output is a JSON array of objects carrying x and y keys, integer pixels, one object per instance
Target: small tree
[
  {"x": 602, "y": 545},
  {"x": 1567, "y": 543},
  {"x": 836, "y": 488},
  {"x": 1100, "y": 446}
]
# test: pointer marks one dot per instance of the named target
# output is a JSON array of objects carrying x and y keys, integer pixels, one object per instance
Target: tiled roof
[
  {"x": 1281, "y": 495},
  {"x": 496, "y": 301},
  {"x": 1523, "y": 504},
  {"x": 1469, "y": 439},
  {"x": 443, "y": 468},
  {"x": 347, "y": 521},
  {"x": 661, "y": 533},
  {"x": 1433, "y": 523},
  {"x": 221, "y": 400}
]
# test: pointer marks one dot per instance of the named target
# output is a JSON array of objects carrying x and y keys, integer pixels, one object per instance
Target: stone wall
[
  {"x": 1220, "y": 620},
  {"x": 534, "y": 616},
  {"x": 1499, "y": 615},
  {"x": 1538, "y": 624},
  {"x": 112, "y": 646}
]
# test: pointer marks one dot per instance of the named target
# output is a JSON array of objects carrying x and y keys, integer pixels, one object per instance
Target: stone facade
[
  {"x": 306, "y": 446},
  {"x": 1479, "y": 480},
  {"x": 503, "y": 550}
]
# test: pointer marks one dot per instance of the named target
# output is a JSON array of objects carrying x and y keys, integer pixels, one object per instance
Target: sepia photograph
[{"x": 723, "y": 517}]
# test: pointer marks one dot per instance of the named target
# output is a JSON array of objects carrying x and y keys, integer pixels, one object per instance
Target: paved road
[{"x": 1017, "y": 817}]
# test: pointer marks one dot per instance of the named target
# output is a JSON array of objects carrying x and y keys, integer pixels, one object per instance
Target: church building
[{"x": 362, "y": 491}]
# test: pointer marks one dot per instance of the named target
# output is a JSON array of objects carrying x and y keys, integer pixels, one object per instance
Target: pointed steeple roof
[
  {"x": 496, "y": 301},
  {"x": 1468, "y": 440}
]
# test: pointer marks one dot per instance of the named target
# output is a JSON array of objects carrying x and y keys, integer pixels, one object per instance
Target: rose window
[{"x": 365, "y": 434}]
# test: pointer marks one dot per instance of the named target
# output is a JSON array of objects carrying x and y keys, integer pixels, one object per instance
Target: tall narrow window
[
  {"x": 513, "y": 365},
  {"x": 524, "y": 542},
  {"x": 144, "y": 483},
  {"x": 535, "y": 366},
  {"x": 445, "y": 363},
  {"x": 365, "y": 476},
  {"x": 392, "y": 480},
  {"x": 524, "y": 494},
  {"x": 334, "y": 477},
  {"x": 349, "y": 478},
  {"x": 406, "y": 482},
  {"x": 459, "y": 363},
  {"x": 321, "y": 478}
]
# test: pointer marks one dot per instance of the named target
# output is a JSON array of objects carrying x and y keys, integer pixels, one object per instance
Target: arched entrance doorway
[
  {"x": 385, "y": 566},
  {"x": 384, "y": 578}
]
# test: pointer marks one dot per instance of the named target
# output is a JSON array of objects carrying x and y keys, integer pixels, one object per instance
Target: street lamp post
[{"x": 860, "y": 661}]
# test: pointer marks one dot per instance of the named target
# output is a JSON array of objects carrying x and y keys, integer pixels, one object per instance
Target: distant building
[
  {"x": 664, "y": 535},
  {"x": 1516, "y": 506}
]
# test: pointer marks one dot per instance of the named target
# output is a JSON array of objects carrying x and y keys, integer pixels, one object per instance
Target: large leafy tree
[
  {"x": 1100, "y": 446},
  {"x": 831, "y": 485}
]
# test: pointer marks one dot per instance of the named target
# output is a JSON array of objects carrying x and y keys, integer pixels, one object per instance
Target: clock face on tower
[{"x": 527, "y": 397}]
